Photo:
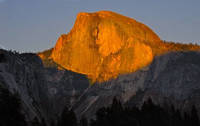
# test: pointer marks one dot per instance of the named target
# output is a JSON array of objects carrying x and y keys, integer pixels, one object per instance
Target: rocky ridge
[
  {"x": 44, "y": 91},
  {"x": 172, "y": 78},
  {"x": 104, "y": 44},
  {"x": 123, "y": 57}
]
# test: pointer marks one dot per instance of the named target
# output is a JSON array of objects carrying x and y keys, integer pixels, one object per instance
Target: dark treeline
[
  {"x": 115, "y": 115},
  {"x": 149, "y": 115}
]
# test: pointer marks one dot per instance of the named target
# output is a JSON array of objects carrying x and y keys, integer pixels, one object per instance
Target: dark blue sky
[{"x": 35, "y": 25}]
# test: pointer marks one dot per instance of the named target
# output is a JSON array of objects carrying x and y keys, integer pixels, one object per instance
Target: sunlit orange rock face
[{"x": 104, "y": 44}]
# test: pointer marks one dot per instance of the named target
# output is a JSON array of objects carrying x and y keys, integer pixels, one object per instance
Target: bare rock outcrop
[{"x": 104, "y": 44}]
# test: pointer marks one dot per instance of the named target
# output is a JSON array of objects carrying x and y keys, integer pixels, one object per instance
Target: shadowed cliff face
[{"x": 104, "y": 44}]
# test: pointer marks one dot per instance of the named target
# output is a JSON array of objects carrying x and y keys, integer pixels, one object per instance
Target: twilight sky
[{"x": 35, "y": 25}]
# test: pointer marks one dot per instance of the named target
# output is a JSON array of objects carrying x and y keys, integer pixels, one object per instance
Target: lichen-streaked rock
[{"x": 105, "y": 44}]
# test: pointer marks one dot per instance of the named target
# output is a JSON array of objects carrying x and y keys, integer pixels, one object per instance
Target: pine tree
[
  {"x": 83, "y": 121},
  {"x": 52, "y": 123},
  {"x": 35, "y": 122},
  {"x": 68, "y": 118},
  {"x": 194, "y": 117},
  {"x": 10, "y": 109},
  {"x": 43, "y": 123}
]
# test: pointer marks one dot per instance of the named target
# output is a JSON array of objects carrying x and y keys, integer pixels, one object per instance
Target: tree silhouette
[
  {"x": 194, "y": 117},
  {"x": 10, "y": 109},
  {"x": 68, "y": 118},
  {"x": 43, "y": 123},
  {"x": 35, "y": 122},
  {"x": 150, "y": 114},
  {"x": 83, "y": 121}
]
